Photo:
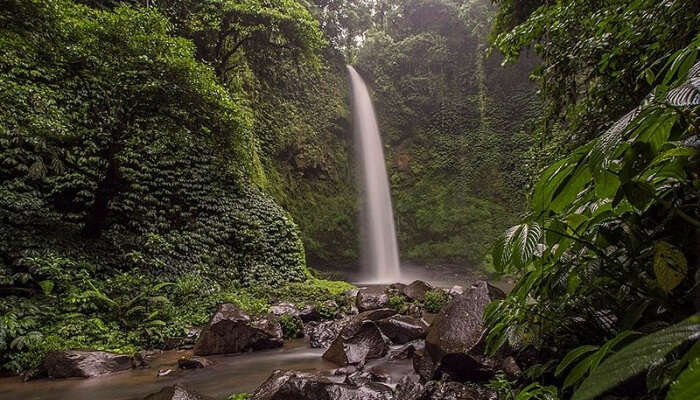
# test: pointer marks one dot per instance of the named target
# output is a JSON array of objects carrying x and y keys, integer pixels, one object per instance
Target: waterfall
[{"x": 379, "y": 249}]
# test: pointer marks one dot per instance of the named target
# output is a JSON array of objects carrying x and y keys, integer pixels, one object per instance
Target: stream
[{"x": 229, "y": 374}]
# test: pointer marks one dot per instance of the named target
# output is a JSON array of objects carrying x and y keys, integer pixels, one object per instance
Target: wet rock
[
  {"x": 284, "y": 309},
  {"x": 233, "y": 331},
  {"x": 68, "y": 364},
  {"x": 408, "y": 389},
  {"x": 347, "y": 370},
  {"x": 176, "y": 392},
  {"x": 417, "y": 289},
  {"x": 455, "y": 290},
  {"x": 322, "y": 334},
  {"x": 456, "y": 339},
  {"x": 363, "y": 378},
  {"x": 414, "y": 311},
  {"x": 406, "y": 351},
  {"x": 395, "y": 289},
  {"x": 355, "y": 344},
  {"x": 403, "y": 328},
  {"x": 424, "y": 365},
  {"x": 309, "y": 313},
  {"x": 193, "y": 362},
  {"x": 510, "y": 367},
  {"x": 292, "y": 385},
  {"x": 366, "y": 301},
  {"x": 456, "y": 391}
]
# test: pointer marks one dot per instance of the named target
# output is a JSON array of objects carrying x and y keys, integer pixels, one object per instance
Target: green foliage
[
  {"x": 605, "y": 247},
  {"x": 239, "y": 396},
  {"x": 292, "y": 326},
  {"x": 637, "y": 357},
  {"x": 435, "y": 299},
  {"x": 398, "y": 303}
]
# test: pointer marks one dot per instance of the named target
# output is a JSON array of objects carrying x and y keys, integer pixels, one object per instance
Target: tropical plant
[{"x": 605, "y": 247}]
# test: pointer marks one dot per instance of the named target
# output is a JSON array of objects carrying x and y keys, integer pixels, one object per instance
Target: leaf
[
  {"x": 46, "y": 286},
  {"x": 639, "y": 194},
  {"x": 670, "y": 265},
  {"x": 637, "y": 357},
  {"x": 606, "y": 183},
  {"x": 572, "y": 356},
  {"x": 579, "y": 371},
  {"x": 687, "y": 386}
]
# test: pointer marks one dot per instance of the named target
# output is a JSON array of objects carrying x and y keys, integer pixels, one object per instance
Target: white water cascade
[{"x": 379, "y": 249}]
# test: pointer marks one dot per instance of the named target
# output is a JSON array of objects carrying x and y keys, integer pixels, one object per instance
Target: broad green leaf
[
  {"x": 639, "y": 194},
  {"x": 687, "y": 386},
  {"x": 579, "y": 371},
  {"x": 606, "y": 183},
  {"x": 674, "y": 152},
  {"x": 670, "y": 265},
  {"x": 637, "y": 357},
  {"x": 572, "y": 356}
]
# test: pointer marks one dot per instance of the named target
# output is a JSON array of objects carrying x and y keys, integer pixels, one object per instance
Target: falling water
[{"x": 380, "y": 252}]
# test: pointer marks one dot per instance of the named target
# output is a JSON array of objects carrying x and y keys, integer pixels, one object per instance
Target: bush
[
  {"x": 435, "y": 300},
  {"x": 398, "y": 303},
  {"x": 292, "y": 326}
]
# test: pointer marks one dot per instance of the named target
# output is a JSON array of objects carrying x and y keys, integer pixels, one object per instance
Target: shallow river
[{"x": 229, "y": 374}]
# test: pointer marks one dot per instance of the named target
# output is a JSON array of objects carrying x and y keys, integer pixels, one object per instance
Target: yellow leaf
[{"x": 670, "y": 265}]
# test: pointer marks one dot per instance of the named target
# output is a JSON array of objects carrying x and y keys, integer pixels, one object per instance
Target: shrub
[
  {"x": 435, "y": 300},
  {"x": 292, "y": 326},
  {"x": 398, "y": 303}
]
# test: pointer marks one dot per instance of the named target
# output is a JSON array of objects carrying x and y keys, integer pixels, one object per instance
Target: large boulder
[
  {"x": 356, "y": 344},
  {"x": 233, "y": 331},
  {"x": 417, "y": 290},
  {"x": 85, "y": 364},
  {"x": 367, "y": 300},
  {"x": 321, "y": 335},
  {"x": 403, "y": 328},
  {"x": 176, "y": 392},
  {"x": 456, "y": 340},
  {"x": 292, "y": 385}
]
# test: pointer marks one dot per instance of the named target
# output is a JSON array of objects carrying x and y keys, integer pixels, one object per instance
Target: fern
[{"x": 637, "y": 357}]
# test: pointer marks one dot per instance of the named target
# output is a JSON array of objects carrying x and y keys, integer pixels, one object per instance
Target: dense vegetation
[{"x": 608, "y": 255}]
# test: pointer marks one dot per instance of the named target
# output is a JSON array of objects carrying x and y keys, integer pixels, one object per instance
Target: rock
[
  {"x": 176, "y": 392},
  {"x": 68, "y": 364},
  {"x": 309, "y": 313},
  {"x": 363, "y": 378},
  {"x": 193, "y": 362},
  {"x": 293, "y": 385},
  {"x": 456, "y": 339},
  {"x": 414, "y": 311},
  {"x": 456, "y": 290},
  {"x": 366, "y": 301},
  {"x": 406, "y": 351},
  {"x": 284, "y": 308},
  {"x": 424, "y": 365},
  {"x": 395, "y": 289},
  {"x": 403, "y": 328},
  {"x": 233, "y": 331},
  {"x": 408, "y": 389},
  {"x": 510, "y": 367},
  {"x": 322, "y": 334},
  {"x": 347, "y": 370},
  {"x": 456, "y": 391},
  {"x": 417, "y": 289},
  {"x": 355, "y": 344}
]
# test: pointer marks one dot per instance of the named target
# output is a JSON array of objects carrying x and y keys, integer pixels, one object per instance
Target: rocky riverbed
[{"x": 376, "y": 350}]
